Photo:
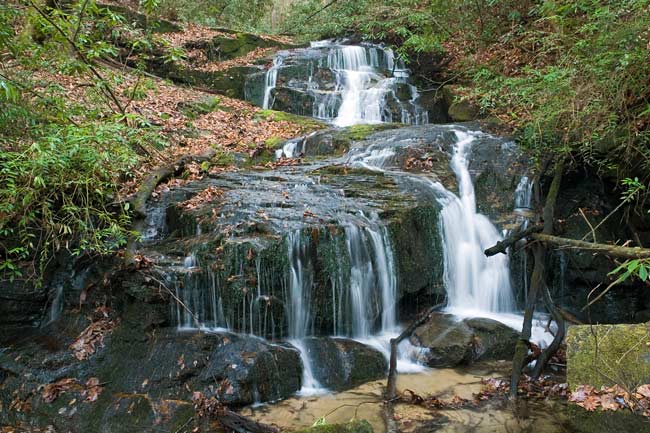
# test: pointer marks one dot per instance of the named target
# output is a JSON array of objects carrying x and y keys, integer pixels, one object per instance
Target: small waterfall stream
[{"x": 475, "y": 284}]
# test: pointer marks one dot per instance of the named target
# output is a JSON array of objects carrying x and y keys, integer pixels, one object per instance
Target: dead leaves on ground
[
  {"x": 205, "y": 406},
  {"x": 90, "y": 391},
  {"x": 612, "y": 398},
  {"x": 92, "y": 337},
  {"x": 492, "y": 388}
]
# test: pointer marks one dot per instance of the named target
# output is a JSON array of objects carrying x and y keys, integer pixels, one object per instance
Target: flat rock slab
[{"x": 607, "y": 354}]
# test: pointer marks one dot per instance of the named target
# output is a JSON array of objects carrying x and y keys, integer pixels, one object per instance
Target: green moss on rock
[
  {"x": 607, "y": 354},
  {"x": 281, "y": 116}
]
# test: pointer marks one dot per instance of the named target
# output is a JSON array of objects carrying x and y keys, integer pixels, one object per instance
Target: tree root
[{"x": 158, "y": 176}]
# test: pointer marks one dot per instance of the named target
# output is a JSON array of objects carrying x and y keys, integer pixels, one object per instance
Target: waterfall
[
  {"x": 475, "y": 283},
  {"x": 373, "y": 286},
  {"x": 299, "y": 303},
  {"x": 270, "y": 81},
  {"x": 524, "y": 194},
  {"x": 347, "y": 85}
]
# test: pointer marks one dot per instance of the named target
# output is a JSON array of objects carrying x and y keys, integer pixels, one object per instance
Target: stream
[{"x": 332, "y": 255}]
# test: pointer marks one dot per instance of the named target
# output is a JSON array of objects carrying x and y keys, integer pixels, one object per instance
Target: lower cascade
[{"x": 475, "y": 284}]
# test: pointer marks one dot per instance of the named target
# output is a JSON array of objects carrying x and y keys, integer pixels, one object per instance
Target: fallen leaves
[
  {"x": 612, "y": 398},
  {"x": 52, "y": 391},
  {"x": 206, "y": 406},
  {"x": 208, "y": 195},
  {"x": 90, "y": 391},
  {"x": 92, "y": 337}
]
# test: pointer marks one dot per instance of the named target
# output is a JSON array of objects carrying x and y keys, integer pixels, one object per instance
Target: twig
[
  {"x": 176, "y": 298},
  {"x": 593, "y": 231}
]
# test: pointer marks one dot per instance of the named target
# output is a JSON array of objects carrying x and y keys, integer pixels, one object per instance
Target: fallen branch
[
  {"x": 159, "y": 176},
  {"x": 502, "y": 246},
  {"x": 391, "y": 384},
  {"x": 606, "y": 249},
  {"x": 538, "y": 280},
  {"x": 139, "y": 200}
]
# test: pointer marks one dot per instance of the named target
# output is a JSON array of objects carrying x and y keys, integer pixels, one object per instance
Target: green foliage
[
  {"x": 586, "y": 91},
  {"x": 62, "y": 158},
  {"x": 248, "y": 15},
  {"x": 54, "y": 193}
]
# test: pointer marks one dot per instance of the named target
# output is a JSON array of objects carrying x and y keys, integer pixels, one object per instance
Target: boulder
[
  {"x": 459, "y": 110},
  {"x": 253, "y": 370},
  {"x": 492, "y": 339},
  {"x": 451, "y": 341},
  {"x": 341, "y": 364},
  {"x": 448, "y": 341},
  {"x": 602, "y": 355}
]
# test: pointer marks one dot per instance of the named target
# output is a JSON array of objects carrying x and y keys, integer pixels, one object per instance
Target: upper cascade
[{"x": 339, "y": 83}]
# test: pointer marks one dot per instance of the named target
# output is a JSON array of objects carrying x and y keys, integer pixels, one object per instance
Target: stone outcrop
[{"x": 449, "y": 341}]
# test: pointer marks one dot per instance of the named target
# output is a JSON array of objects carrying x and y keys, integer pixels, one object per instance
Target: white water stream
[{"x": 371, "y": 86}]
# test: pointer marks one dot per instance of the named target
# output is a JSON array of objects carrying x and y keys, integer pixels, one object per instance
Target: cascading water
[
  {"x": 299, "y": 314},
  {"x": 475, "y": 283},
  {"x": 344, "y": 84},
  {"x": 524, "y": 194},
  {"x": 270, "y": 81}
]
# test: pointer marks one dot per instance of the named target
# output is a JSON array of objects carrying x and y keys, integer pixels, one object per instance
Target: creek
[{"x": 343, "y": 248}]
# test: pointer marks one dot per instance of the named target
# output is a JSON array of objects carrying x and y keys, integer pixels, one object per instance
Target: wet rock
[
  {"x": 147, "y": 377},
  {"x": 451, "y": 341},
  {"x": 492, "y": 340},
  {"x": 448, "y": 341},
  {"x": 309, "y": 82},
  {"x": 602, "y": 355},
  {"x": 355, "y": 426},
  {"x": 574, "y": 273},
  {"x": 340, "y": 364},
  {"x": 459, "y": 110},
  {"x": 254, "y": 370}
]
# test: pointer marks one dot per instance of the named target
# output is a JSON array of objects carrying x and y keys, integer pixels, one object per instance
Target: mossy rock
[
  {"x": 307, "y": 123},
  {"x": 354, "y": 426},
  {"x": 459, "y": 110},
  {"x": 361, "y": 132},
  {"x": 603, "y": 355},
  {"x": 200, "y": 107},
  {"x": 236, "y": 45}
]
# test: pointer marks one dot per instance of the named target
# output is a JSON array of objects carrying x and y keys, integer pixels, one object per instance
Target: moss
[
  {"x": 354, "y": 426},
  {"x": 305, "y": 123},
  {"x": 223, "y": 159},
  {"x": 274, "y": 142},
  {"x": 622, "y": 355},
  {"x": 361, "y": 132},
  {"x": 203, "y": 106}
]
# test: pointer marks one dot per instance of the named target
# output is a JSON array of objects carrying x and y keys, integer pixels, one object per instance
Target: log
[
  {"x": 502, "y": 246},
  {"x": 139, "y": 200},
  {"x": 606, "y": 249},
  {"x": 160, "y": 175}
]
